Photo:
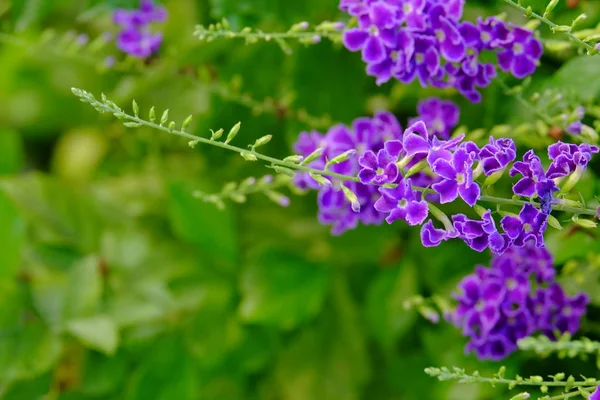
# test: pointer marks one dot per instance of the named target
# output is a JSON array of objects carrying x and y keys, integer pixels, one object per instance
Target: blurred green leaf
[
  {"x": 385, "y": 313},
  {"x": 102, "y": 374},
  {"x": 201, "y": 224},
  {"x": 11, "y": 152},
  {"x": 85, "y": 288},
  {"x": 329, "y": 360},
  {"x": 579, "y": 76},
  {"x": 282, "y": 289},
  {"x": 98, "y": 333},
  {"x": 12, "y": 237}
]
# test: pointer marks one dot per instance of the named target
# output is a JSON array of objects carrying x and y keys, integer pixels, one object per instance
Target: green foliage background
[{"x": 116, "y": 283}]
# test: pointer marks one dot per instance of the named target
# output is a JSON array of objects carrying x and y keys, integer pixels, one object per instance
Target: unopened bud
[
  {"x": 345, "y": 156},
  {"x": 521, "y": 396},
  {"x": 320, "y": 179},
  {"x": 262, "y": 141},
  {"x": 216, "y": 135},
  {"x": 352, "y": 198},
  {"x": 313, "y": 156},
  {"x": 233, "y": 132}
]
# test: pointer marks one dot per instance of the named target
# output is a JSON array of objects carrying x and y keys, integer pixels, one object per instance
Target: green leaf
[
  {"x": 28, "y": 352},
  {"x": 282, "y": 289},
  {"x": 98, "y": 333},
  {"x": 199, "y": 223},
  {"x": 11, "y": 152},
  {"x": 328, "y": 360},
  {"x": 12, "y": 237},
  {"x": 103, "y": 374},
  {"x": 386, "y": 316},
  {"x": 579, "y": 75},
  {"x": 85, "y": 288}
]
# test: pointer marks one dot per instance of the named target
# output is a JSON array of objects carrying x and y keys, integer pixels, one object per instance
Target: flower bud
[
  {"x": 233, "y": 132},
  {"x": 216, "y": 135},
  {"x": 296, "y": 159},
  {"x": 262, "y": 141},
  {"x": 320, "y": 179},
  {"x": 152, "y": 115},
  {"x": 553, "y": 222},
  {"x": 186, "y": 123},
  {"x": 248, "y": 156},
  {"x": 521, "y": 396},
  {"x": 165, "y": 117},
  {"x": 345, "y": 156},
  {"x": 313, "y": 156},
  {"x": 136, "y": 108},
  {"x": 584, "y": 223},
  {"x": 352, "y": 198}
]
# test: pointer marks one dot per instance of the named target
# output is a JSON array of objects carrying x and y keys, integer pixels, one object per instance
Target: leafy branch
[
  {"x": 299, "y": 32},
  {"x": 560, "y": 380},
  {"x": 288, "y": 166},
  {"x": 565, "y": 29},
  {"x": 565, "y": 347}
]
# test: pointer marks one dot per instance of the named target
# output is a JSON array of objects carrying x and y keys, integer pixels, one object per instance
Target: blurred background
[{"x": 117, "y": 283}]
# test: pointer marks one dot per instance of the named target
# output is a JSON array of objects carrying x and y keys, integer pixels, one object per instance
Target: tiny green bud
[
  {"x": 216, "y": 135},
  {"x": 152, "y": 115},
  {"x": 584, "y": 223},
  {"x": 536, "y": 379},
  {"x": 352, "y": 198},
  {"x": 131, "y": 124},
  {"x": 262, "y": 141},
  {"x": 440, "y": 216},
  {"x": 529, "y": 12},
  {"x": 494, "y": 177},
  {"x": 544, "y": 389},
  {"x": 577, "y": 20},
  {"x": 559, "y": 377},
  {"x": 165, "y": 117},
  {"x": 233, "y": 132},
  {"x": 136, "y": 108},
  {"x": 591, "y": 382},
  {"x": 501, "y": 372},
  {"x": 171, "y": 126},
  {"x": 418, "y": 167},
  {"x": 313, "y": 156},
  {"x": 341, "y": 158},
  {"x": 562, "y": 28},
  {"x": 186, "y": 123},
  {"x": 550, "y": 7},
  {"x": 248, "y": 156},
  {"x": 320, "y": 179},
  {"x": 283, "y": 170},
  {"x": 553, "y": 222},
  {"x": 296, "y": 159},
  {"x": 521, "y": 396},
  {"x": 193, "y": 143},
  {"x": 570, "y": 382}
]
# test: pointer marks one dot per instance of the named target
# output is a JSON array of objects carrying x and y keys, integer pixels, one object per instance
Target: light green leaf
[
  {"x": 282, "y": 289},
  {"x": 201, "y": 224},
  {"x": 579, "y": 75},
  {"x": 85, "y": 288},
  {"x": 98, "y": 333},
  {"x": 386, "y": 316},
  {"x": 12, "y": 237}
]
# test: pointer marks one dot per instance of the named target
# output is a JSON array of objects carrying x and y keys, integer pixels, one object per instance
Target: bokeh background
[{"x": 117, "y": 283}]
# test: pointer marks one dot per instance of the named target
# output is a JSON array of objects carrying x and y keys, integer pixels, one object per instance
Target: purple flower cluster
[
  {"x": 511, "y": 300},
  {"x": 400, "y": 172},
  {"x": 596, "y": 394},
  {"x": 373, "y": 162},
  {"x": 136, "y": 37},
  {"x": 426, "y": 40}
]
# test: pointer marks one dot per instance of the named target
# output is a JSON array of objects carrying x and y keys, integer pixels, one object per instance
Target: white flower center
[{"x": 518, "y": 49}]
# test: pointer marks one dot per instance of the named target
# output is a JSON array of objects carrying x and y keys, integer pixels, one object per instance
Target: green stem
[
  {"x": 103, "y": 107},
  {"x": 551, "y": 24},
  {"x": 444, "y": 374},
  {"x": 255, "y": 35}
]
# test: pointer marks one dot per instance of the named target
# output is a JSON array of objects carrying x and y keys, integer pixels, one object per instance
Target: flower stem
[
  {"x": 551, "y": 24},
  {"x": 109, "y": 107}
]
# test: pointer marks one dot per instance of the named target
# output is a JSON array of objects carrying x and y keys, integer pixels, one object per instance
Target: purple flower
[
  {"x": 374, "y": 34},
  {"x": 138, "y": 44},
  {"x": 532, "y": 171},
  {"x": 596, "y": 394},
  {"x": 545, "y": 191},
  {"x": 567, "y": 158},
  {"x": 575, "y": 128},
  {"x": 452, "y": 44},
  {"x": 135, "y": 38},
  {"x": 336, "y": 211},
  {"x": 432, "y": 236},
  {"x": 554, "y": 310},
  {"x": 402, "y": 202},
  {"x": 479, "y": 235},
  {"x": 529, "y": 225},
  {"x": 457, "y": 178},
  {"x": 378, "y": 169},
  {"x": 439, "y": 116},
  {"x": 496, "y": 155},
  {"x": 521, "y": 57}
]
